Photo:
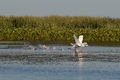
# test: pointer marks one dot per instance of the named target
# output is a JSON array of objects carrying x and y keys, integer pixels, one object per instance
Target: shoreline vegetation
[{"x": 59, "y": 29}]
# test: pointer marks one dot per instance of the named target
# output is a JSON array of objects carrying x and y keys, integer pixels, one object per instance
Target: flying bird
[{"x": 79, "y": 42}]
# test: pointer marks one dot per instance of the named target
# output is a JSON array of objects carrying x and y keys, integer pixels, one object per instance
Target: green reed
[{"x": 59, "y": 28}]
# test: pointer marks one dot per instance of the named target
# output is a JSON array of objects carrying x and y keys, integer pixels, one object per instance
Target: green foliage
[
  {"x": 68, "y": 22},
  {"x": 59, "y": 28}
]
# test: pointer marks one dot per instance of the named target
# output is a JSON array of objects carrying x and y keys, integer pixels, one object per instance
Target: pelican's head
[{"x": 81, "y": 36}]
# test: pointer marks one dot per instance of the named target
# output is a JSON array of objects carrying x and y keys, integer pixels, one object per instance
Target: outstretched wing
[
  {"x": 81, "y": 38},
  {"x": 76, "y": 40}
]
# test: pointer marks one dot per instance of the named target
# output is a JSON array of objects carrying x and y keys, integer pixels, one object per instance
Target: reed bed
[{"x": 59, "y": 28}]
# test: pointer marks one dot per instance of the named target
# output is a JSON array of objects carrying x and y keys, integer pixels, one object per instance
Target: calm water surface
[{"x": 58, "y": 63}]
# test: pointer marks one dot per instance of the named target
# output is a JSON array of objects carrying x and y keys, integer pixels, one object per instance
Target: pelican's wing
[
  {"x": 81, "y": 38},
  {"x": 76, "y": 40}
]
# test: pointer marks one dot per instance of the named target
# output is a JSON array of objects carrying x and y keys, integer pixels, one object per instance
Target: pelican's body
[{"x": 79, "y": 41}]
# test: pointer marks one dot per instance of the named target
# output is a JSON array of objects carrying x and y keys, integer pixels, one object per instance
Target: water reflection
[
  {"x": 43, "y": 54},
  {"x": 40, "y": 55},
  {"x": 45, "y": 57},
  {"x": 77, "y": 53},
  {"x": 58, "y": 62}
]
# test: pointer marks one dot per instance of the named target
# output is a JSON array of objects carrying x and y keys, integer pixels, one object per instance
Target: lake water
[{"x": 56, "y": 62}]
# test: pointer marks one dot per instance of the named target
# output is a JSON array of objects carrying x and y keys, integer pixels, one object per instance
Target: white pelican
[
  {"x": 79, "y": 42},
  {"x": 43, "y": 47},
  {"x": 32, "y": 47}
]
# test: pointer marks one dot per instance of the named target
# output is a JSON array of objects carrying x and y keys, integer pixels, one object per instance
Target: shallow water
[{"x": 53, "y": 62}]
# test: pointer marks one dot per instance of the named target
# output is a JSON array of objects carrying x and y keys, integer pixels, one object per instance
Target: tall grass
[
  {"x": 69, "y": 22},
  {"x": 59, "y": 28}
]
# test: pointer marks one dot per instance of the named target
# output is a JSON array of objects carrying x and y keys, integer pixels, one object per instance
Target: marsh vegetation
[{"x": 59, "y": 28}]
